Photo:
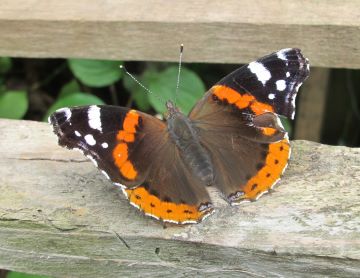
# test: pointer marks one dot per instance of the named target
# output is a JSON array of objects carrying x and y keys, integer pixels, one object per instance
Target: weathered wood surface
[
  {"x": 227, "y": 31},
  {"x": 59, "y": 216}
]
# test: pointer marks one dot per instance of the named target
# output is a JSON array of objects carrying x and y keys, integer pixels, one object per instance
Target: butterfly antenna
[
  {"x": 141, "y": 85},
  {"x": 179, "y": 71}
]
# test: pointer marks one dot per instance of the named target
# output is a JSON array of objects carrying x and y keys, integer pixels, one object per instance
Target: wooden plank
[
  {"x": 226, "y": 31},
  {"x": 311, "y": 106},
  {"x": 60, "y": 215}
]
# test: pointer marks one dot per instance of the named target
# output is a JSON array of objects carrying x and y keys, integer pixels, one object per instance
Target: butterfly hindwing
[
  {"x": 133, "y": 150},
  {"x": 237, "y": 122}
]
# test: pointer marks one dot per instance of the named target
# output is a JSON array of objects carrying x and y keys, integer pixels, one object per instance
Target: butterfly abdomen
[{"x": 195, "y": 156}]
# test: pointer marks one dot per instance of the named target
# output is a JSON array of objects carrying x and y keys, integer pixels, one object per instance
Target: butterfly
[{"x": 232, "y": 139}]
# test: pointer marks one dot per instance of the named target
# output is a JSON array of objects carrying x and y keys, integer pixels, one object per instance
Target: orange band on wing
[
  {"x": 268, "y": 175},
  {"x": 125, "y": 136},
  {"x": 131, "y": 121},
  {"x": 120, "y": 152},
  {"x": 128, "y": 170},
  {"x": 268, "y": 131},
  {"x": 166, "y": 211},
  {"x": 260, "y": 108},
  {"x": 242, "y": 101},
  {"x": 226, "y": 93}
]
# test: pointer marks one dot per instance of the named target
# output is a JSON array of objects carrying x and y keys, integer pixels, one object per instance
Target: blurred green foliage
[
  {"x": 103, "y": 82},
  {"x": 287, "y": 124},
  {"x": 13, "y": 103},
  {"x": 73, "y": 99},
  {"x": 5, "y": 64},
  {"x": 92, "y": 73},
  {"x": 138, "y": 93},
  {"x": 69, "y": 88},
  {"x": 163, "y": 83},
  {"x": 96, "y": 73},
  {"x": 13, "y": 274}
]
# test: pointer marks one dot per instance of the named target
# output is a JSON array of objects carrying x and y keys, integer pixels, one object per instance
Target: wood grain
[
  {"x": 60, "y": 217},
  {"x": 226, "y": 31}
]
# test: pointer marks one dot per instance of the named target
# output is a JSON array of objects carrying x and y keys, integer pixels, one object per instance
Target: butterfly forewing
[
  {"x": 237, "y": 122},
  {"x": 133, "y": 150},
  {"x": 273, "y": 79}
]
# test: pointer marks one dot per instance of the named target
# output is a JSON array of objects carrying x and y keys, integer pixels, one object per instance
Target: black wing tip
[
  {"x": 53, "y": 121},
  {"x": 58, "y": 121},
  {"x": 295, "y": 54},
  {"x": 295, "y": 57}
]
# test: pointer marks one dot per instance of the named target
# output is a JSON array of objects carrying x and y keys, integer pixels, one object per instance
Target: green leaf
[
  {"x": 138, "y": 93},
  {"x": 96, "y": 73},
  {"x": 287, "y": 124},
  {"x": 13, "y": 104},
  {"x": 13, "y": 274},
  {"x": 164, "y": 84},
  {"x": 5, "y": 64},
  {"x": 75, "y": 99},
  {"x": 69, "y": 88}
]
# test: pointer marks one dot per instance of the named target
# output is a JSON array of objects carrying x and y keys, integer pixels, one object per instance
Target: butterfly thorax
[{"x": 183, "y": 133}]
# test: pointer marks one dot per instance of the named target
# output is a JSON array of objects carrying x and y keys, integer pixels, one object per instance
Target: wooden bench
[{"x": 61, "y": 217}]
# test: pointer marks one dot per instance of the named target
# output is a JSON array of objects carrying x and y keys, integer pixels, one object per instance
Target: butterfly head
[{"x": 172, "y": 109}]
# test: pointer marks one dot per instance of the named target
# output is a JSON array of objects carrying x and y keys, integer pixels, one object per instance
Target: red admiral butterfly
[{"x": 232, "y": 139}]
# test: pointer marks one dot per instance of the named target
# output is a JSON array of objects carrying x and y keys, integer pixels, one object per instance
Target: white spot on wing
[
  {"x": 105, "y": 174},
  {"x": 105, "y": 145},
  {"x": 159, "y": 116},
  {"x": 121, "y": 186},
  {"x": 90, "y": 139},
  {"x": 278, "y": 121},
  {"x": 271, "y": 96},
  {"x": 171, "y": 221},
  {"x": 272, "y": 186},
  {"x": 94, "y": 117},
  {"x": 92, "y": 159},
  {"x": 208, "y": 214},
  {"x": 189, "y": 222},
  {"x": 66, "y": 111},
  {"x": 152, "y": 215},
  {"x": 77, "y": 149},
  {"x": 293, "y": 102},
  {"x": 287, "y": 74},
  {"x": 77, "y": 133},
  {"x": 259, "y": 195},
  {"x": 124, "y": 192},
  {"x": 280, "y": 85},
  {"x": 281, "y": 54},
  {"x": 293, "y": 115},
  {"x": 134, "y": 205},
  {"x": 260, "y": 71},
  {"x": 240, "y": 202},
  {"x": 289, "y": 154},
  {"x": 284, "y": 166}
]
